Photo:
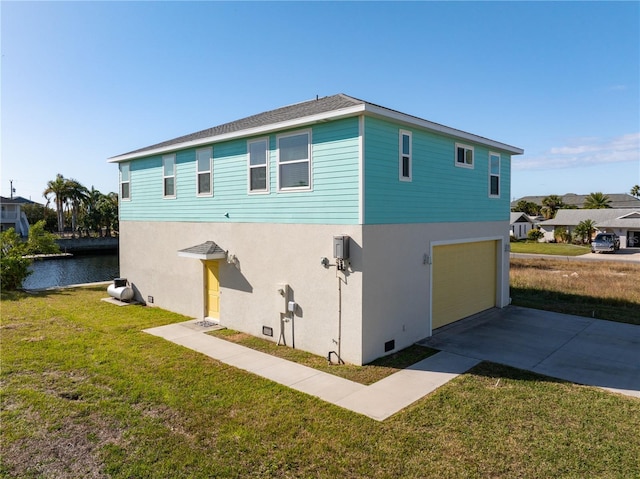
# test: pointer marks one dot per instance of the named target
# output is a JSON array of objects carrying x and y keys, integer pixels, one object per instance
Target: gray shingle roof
[
  {"x": 286, "y": 113},
  {"x": 206, "y": 250},
  {"x": 618, "y": 200},
  {"x": 320, "y": 108},
  {"x": 575, "y": 216}
]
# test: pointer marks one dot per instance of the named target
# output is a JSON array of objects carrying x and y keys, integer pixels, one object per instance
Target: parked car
[{"x": 605, "y": 243}]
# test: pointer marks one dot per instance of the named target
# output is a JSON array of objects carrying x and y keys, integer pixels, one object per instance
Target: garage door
[{"x": 463, "y": 281}]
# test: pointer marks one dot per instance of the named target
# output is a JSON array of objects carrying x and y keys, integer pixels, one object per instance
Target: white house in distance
[
  {"x": 520, "y": 225},
  {"x": 12, "y": 215},
  {"x": 333, "y": 225},
  {"x": 624, "y": 222}
]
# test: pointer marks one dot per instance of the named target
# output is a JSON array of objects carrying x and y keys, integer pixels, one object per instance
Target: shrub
[
  {"x": 14, "y": 267},
  {"x": 561, "y": 235},
  {"x": 535, "y": 234}
]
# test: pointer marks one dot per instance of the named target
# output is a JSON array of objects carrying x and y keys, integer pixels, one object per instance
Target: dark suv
[{"x": 605, "y": 243}]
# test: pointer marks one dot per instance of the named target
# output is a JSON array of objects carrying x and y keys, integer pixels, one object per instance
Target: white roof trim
[
  {"x": 203, "y": 256},
  {"x": 365, "y": 108}
]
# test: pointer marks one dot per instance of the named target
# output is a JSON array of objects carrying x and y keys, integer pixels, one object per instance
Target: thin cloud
[
  {"x": 585, "y": 152},
  {"x": 617, "y": 88}
]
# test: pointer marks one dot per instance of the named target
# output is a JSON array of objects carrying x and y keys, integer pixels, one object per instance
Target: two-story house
[
  {"x": 334, "y": 225},
  {"x": 12, "y": 215}
]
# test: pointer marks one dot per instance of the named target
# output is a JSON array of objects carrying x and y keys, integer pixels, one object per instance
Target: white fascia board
[
  {"x": 366, "y": 108},
  {"x": 436, "y": 127},
  {"x": 201, "y": 256},
  {"x": 284, "y": 125}
]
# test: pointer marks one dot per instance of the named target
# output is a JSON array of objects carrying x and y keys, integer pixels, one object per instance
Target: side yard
[
  {"x": 86, "y": 394},
  {"x": 604, "y": 289}
]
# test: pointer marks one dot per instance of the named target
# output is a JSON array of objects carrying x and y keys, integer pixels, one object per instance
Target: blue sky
[{"x": 84, "y": 81}]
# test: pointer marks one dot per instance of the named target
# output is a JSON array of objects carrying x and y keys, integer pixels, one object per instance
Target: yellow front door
[{"x": 213, "y": 289}]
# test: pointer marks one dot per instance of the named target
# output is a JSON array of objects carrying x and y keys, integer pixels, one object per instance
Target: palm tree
[
  {"x": 635, "y": 191},
  {"x": 528, "y": 207},
  {"x": 596, "y": 201},
  {"x": 551, "y": 204},
  {"x": 76, "y": 193},
  {"x": 108, "y": 207},
  {"x": 585, "y": 230},
  {"x": 92, "y": 217},
  {"x": 59, "y": 189}
]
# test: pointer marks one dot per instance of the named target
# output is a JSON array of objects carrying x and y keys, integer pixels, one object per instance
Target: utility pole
[{"x": 12, "y": 190}]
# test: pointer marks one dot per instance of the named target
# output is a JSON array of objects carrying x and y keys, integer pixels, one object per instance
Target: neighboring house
[
  {"x": 376, "y": 225},
  {"x": 12, "y": 215},
  {"x": 617, "y": 200},
  {"x": 520, "y": 224},
  {"x": 621, "y": 221}
]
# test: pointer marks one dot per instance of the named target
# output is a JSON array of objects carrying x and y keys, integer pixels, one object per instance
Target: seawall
[{"x": 88, "y": 245}]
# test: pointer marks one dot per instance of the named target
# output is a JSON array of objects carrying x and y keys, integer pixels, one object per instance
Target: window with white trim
[
  {"x": 404, "y": 160},
  {"x": 294, "y": 161},
  {"x": 494, "y": 174},
  {"x": 169, "y": 176},
  {"x": 258, "y": 152},
  {"x": 464, "y": 156},
  {"x": 204, "y": 171},
  {"x": 125, "y": 181}
]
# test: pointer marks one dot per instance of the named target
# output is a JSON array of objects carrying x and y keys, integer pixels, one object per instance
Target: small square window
[{"x": 464, "y": 156}]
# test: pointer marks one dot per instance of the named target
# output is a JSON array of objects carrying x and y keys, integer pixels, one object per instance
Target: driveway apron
[{"x": 581, "y": 350}]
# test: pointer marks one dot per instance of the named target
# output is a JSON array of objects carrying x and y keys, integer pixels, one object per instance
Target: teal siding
[
  {"x": 439, "y": 191},
  {"x": 333, "y": 199}
]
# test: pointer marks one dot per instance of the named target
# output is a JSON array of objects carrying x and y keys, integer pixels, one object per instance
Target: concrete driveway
[{"x": 581, "y": 350}]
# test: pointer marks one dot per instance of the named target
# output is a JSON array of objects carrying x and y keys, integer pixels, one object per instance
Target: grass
[
  {"x": 86, "y": 394},
  {"x": 561, "y": 249},
  {"x": 601, "y": 289},
  {"x": 368, "y": 374}
]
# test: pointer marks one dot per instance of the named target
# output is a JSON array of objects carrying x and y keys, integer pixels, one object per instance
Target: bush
[
  {"x": 535, "y": 234},
  {"x": 14, "y": 267},
  {"x": 561, "y": 235}
]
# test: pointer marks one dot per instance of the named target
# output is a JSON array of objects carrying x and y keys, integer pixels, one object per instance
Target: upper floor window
[
  {"x": 404, "y": 160},
  {"x": 169, "y": 176},
  {"x": 494, "y": 174},
  {"x": 294, "y": 161},
  {"x": 125, "y": 181},
  {"x": 464, "y": 156},
  {"x": 204, "y": 173},
  {"x": 258, "y": 165}
]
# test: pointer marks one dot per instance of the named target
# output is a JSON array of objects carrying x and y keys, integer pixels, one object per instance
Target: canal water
[{"x": 75, "y": 270}]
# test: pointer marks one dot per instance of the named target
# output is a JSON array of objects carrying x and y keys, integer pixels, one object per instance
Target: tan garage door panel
[{"x": 464, "y": 280}]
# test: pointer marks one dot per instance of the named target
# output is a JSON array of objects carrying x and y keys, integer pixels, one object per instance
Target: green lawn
[
  {"x": 86, "y": 394},
  {"x": 548, "y": 248}
]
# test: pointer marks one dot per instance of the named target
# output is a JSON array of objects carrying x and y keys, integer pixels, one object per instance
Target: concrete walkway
[
  {"x": 587, "y": 351},
  {"x": 377, "y": 401}
]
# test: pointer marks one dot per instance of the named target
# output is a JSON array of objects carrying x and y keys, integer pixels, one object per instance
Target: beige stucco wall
[
  {"x": 385, "y": 293},
  {"x": 267, "y": 254},
  {"x": 397, "y": 283}
]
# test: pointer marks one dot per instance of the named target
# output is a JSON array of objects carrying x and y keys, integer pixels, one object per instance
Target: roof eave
[
  {"x": 438, "y": 128},
  {"x": 364, "y": 108},
  {"x": 260, "y": 130}
]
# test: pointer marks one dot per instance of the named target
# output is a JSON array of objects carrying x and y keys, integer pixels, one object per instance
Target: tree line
[
  {"x": 552, "y": 203},
  {"x": 78, "y": 210}
]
